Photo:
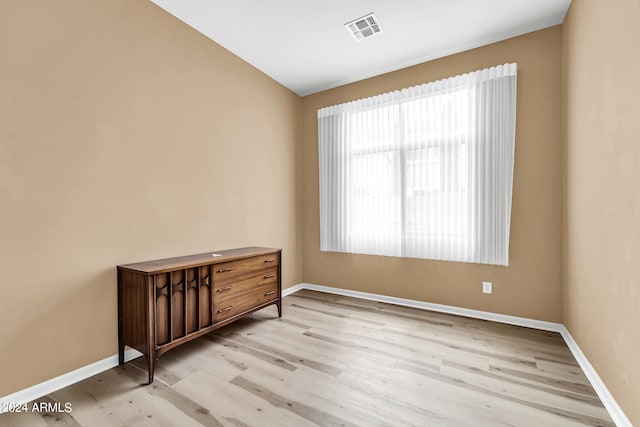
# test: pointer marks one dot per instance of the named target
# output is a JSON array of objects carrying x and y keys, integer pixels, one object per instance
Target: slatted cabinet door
[
  {"x": 191, "y": 303},
  {"x": 163, "y": 313},
  {"x": 185, "y": 312},
  {"x": 177, "y": 304},
  {"x": 205, "y": 296}
]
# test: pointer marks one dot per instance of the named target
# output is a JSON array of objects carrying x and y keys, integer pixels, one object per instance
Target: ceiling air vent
[{"x": 365, "y": 27}]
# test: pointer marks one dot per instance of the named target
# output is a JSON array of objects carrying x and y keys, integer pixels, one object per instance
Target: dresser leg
[
  {"x": 279, "y": 305},
  {"x": 120, "y": 355},
  {"x": 151, "y": 362}
]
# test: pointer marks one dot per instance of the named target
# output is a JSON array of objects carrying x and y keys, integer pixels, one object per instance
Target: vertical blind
[{"x": 423, "y": 172}]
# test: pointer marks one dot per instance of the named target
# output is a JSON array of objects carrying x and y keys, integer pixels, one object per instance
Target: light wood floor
[{"x": 334, "y": 360}]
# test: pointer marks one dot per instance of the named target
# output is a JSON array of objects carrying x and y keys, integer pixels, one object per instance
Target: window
[{"x": 425, "y": 172}]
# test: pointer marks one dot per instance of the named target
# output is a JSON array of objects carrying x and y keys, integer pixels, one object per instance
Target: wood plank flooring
[{"x": 339, "y": 361}]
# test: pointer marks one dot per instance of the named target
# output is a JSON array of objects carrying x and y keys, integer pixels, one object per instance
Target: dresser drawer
[
  {"x": 231, "y": 288},
  {"x": 233, "y": 269},
  {"x": 229, "y": 307}
]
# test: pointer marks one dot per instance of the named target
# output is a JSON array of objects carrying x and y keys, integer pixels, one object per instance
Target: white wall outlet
[{"x": 487, "y": 287}]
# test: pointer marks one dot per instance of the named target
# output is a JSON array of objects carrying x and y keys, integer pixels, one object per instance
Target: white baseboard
[
  {"x": 293, "y": 289},
  {"x": 64, "y": 380},
  {"x": 598, "y": 385},
  {"x": 466, "y": 312},
  {"x": 616, "y": 413}
]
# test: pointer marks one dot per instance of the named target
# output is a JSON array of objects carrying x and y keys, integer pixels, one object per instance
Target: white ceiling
[{"x": 303, "y": 44}]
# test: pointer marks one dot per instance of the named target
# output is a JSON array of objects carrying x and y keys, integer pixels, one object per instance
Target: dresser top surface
[{"x": 189, "y": 261}]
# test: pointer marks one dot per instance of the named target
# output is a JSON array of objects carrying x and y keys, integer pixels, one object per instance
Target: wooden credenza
[{"x": 167, "y": 302}]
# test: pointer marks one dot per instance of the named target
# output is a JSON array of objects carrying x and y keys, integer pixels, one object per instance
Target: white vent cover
[{"x": 364, "y": 27}]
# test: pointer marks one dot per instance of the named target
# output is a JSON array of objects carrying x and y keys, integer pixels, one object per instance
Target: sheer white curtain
[{"x": 425, "y": 172}]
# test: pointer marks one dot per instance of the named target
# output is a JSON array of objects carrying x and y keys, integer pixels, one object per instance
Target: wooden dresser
[{"x": 167, "y": 302}]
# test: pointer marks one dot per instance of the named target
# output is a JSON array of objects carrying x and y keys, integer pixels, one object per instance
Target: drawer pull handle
[
  {"x": 269, "y": 293},
  {"x": 225, "y": 309},
  {"x": 269, "y": 276},
  {"x": 224, "y": 270},
  {"x": 270, "y": 260},
  {"x": 223, "y": 289}
]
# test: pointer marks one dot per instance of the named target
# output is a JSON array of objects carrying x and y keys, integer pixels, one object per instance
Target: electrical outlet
[{"x": 487, "y": 287}]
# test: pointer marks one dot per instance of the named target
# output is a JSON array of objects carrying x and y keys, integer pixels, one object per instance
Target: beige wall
[
  {"x": 602, "y": 204},
  {"x": 531, "y": 285},
  {"x": 125, "y": 136}
]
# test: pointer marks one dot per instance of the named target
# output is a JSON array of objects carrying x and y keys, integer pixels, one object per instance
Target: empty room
[{"x": 286, "y": 213}]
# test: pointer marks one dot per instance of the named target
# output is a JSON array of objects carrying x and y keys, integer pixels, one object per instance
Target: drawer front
[
  {"x": 230, "y": 307},
  {"x": 231, "y": 288},
  {"x": 240, "y": 267}
]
